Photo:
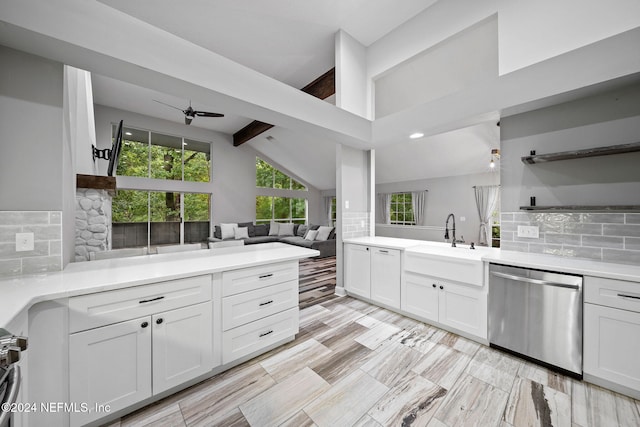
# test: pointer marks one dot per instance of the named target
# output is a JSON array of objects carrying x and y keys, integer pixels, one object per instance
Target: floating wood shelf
[
  {"x": 97, "y": 182},
  {"x": 579, "y": 154},
  {"x": 583, "y": 208}
]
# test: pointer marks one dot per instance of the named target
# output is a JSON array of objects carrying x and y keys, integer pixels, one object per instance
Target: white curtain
[
  {"x": 486, "y": 199},
  {"x": 419, "y": 205},
  {"x": 327, "y": 208},
  {"x": 383, "y": 211}
]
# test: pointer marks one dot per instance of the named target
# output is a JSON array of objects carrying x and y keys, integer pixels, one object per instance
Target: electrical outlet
[
  {"x": 529, "y": 231},
  {"x": 24, "y": 242},
  {"x": 463, "y": 218},
  {"x": 346, "y": 204}
]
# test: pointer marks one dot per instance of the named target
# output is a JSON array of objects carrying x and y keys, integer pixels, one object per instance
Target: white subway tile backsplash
[
  {"x": 47, "y": 253},
  {"x": 610, "y": 237}
]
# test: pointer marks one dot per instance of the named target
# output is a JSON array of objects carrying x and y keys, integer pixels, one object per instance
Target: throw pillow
[
  {"x": 250, "y": 228},
  {"x": 241, "y": 233},
  {"x": 228, "y": 231},
  {"x": 285, "y": 230},
  {"x": 261, "y": 229},
  {"x": 302, "y": 230},
  {"x": 323, "y": 233},
  {"x": 273, "y": 229},
  {"x": 311, "y": 235}
]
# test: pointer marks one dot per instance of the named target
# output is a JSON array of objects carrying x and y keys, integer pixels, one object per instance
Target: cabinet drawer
[
  {"x": 257, "y": 335},
  {"x": 248, "y": 279},
  {"x": 104, "y": 308},
  {"x": 253, "y": 305},
  {"x": 612, "y": 293},
  {"x": 470, "y": 271}
]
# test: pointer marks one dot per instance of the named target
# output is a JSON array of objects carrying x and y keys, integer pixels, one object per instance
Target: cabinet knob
[
  {"x": 159, "y": 321},
  {"x": 441, "y": 287},
  {"x": 434, "y": 285},
  {"x": 367, "y": 248},
  {"x": 144, "y": 324}
]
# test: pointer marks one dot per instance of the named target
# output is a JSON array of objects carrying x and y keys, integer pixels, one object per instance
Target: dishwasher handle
[
  {"x": 11, "y": 394},
  {"x": 535, "y": 281}
]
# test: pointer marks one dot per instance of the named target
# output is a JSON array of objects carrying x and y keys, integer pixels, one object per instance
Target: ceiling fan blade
[
  {"x": 207, "y": 114},
  {"x": 168, "y": 105}
]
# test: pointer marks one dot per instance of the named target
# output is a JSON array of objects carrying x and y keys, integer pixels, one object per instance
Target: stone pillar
[{"x": 93, "y": 222}]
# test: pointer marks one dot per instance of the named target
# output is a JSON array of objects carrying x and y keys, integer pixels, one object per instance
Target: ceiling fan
[{"x": 190, "y": 113}]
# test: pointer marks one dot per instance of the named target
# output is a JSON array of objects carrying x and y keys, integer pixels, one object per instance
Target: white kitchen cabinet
[
  {"x": 385, "y": 276},
  {"x": 357, "y": 265},
  {"x": 373, "y": 272},
  {"x": 611, "y": 328},
  {"x": 455, "y": 305},
  {"x": 111, "y": 366},
  {"x": 182, "y": 345}
]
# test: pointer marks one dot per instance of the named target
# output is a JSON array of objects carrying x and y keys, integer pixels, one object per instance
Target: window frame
[{"x": 394, "y": 211}]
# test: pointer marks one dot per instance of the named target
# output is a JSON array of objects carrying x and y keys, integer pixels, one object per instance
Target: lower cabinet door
[
  {"x": 385, "y": 276},
  {"x": 463, "y": 308},
  {"x": 420, "y": 296},
  {"x": 611, "y": 345},
  {"x": 357, "y": 267},
  {"x": 110, "y": 366},
  {"x": 182, "y": 345},
  {"x": 246, "y": 339}
]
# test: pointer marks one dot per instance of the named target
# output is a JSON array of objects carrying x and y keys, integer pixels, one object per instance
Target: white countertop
[
  {"x": 80, "y": 278},
  {"x": 519, "y": 259}
]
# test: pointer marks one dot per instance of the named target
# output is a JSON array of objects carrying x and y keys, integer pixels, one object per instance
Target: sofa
[{"x": 293, "y": 234}]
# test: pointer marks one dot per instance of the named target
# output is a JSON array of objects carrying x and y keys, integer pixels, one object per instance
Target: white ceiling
[{"x": 293, "y": 42}]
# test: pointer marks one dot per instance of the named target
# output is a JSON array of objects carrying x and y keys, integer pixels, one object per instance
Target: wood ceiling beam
[{"x": 322, "y": 88}]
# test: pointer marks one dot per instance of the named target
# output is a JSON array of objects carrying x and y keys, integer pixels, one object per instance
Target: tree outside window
[{"x": 402, "y": 209}]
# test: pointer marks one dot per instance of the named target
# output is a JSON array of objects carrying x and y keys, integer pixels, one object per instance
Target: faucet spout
[{"x": 446, "y": 229}]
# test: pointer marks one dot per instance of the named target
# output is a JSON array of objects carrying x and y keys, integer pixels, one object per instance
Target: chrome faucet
[{"x": 446, "y": 229}]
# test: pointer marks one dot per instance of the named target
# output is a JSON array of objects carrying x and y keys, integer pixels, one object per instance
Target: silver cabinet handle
[
  {"x": 144, "y": 301},
  {"x": 264, "y": 334},
  {"x": 265, "y": 276},
  {"x": 262, "y": 304},
  {"x": 383, "y": 251},
  {"x": 534, "y": 281},
  {"x": 628, "y": 296}
]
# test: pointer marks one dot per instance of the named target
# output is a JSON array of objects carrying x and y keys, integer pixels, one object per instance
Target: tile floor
[{"x": 354, "y": 364}]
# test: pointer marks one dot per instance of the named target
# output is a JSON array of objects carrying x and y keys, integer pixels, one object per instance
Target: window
[
  {"x": 271, "y": 207},
  {"x": 280, "y": 209},
  {"x": 333, "y": 212},
  {"x": 158, "y": 156},
  {"x": 179, "y": 209},
  {"x": 401, "y": 209},
  {"x": 269, "y": 177}
]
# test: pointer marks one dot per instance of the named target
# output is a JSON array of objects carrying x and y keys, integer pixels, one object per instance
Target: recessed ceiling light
[
  {"x": 128, "y": 133},
  {"x": 416, "y": 135}
]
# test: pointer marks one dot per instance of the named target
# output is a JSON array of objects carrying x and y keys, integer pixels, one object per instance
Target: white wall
[
  {"x": 608, "y": 119},
  {"x": 446, "y": 195},
  {"x": 351, "y": 75},
  {"x": 79, "y": 118},
  {"x": 31, "y": 100},
  {"x": 234, "y": 168},
  {"x": 532, "y": 31}
]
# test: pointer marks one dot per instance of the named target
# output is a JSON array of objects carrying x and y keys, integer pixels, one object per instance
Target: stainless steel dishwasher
[{"x": 537, "y": 314}]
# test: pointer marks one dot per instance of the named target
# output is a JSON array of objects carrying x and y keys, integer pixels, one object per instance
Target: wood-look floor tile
[
  {"x": 392, "y": 363},
  {"x": 155, "y": 415},
  {"x": 341, "y": 316},
  {"x": 336, "y": 338},
  {"x": 284, "y": 400},
  {"x": 367, "y": 421},
  {"x": 545, "y": 376},
  {"x": 417, "y": 337},
  {"x": 472, "y": 402},
  {"x": 377, "y": 335},
  {"x": 342, "y": 362},
  {"x": 234, "y": 418},
  {"x": 442, "y": 365},
  {"x": 459, "y": 343},
  {"x": 494, "y": 367},
  {"x": 413, "y": 401},
  {"x": 595, "y": 406},
  {"x": 301, "y": 419},
  {"x": 294, "y": 359},
  {"x": 437, "y": 423},
  {"x": 346, "y": 401},
  {"x": 531, "y": 403},
  {"x": 220, "y": 397},
  {"x": 393, "y": 318},
  {"x": 312, "y": 314},
  {"x": 359, "y": 305}
]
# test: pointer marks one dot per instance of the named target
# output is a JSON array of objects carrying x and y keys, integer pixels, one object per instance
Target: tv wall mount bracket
[{"x": 101, "y": 154}]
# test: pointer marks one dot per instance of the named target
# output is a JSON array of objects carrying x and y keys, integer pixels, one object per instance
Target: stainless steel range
[
  {"x": 537, "y": 314},
  {"x": 10, "y": 350}
]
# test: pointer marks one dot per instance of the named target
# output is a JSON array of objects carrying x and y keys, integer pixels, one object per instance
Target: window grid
[{"x": 401, "y": 209}]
